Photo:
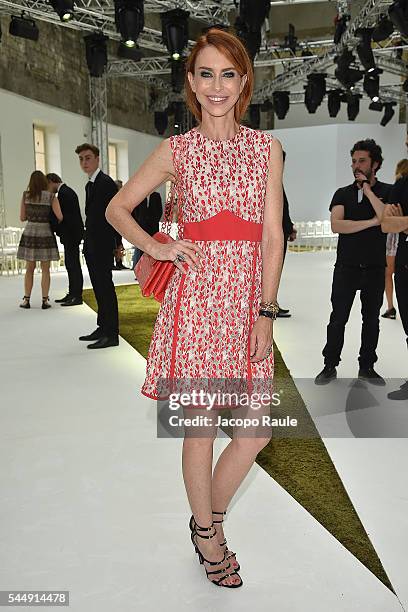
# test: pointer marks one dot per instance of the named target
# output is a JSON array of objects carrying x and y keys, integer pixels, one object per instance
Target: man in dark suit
[
  {"x": 289, "y": 234},
  {"x": 71, "y": 232},
  {"x": 99, "y": 243},
  {"x": 147, "y": 215}
]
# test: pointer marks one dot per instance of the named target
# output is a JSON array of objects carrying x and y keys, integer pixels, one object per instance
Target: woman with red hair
[{"x": 214, "y": 327}]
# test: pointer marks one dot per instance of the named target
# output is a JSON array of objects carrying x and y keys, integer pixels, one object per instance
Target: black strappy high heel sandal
[
  {"x": 231, "y": 556},
  {"x": 224, "y": 572},
  {"x": 45, "y": 303},
  {"x": 26, "y": 302}
]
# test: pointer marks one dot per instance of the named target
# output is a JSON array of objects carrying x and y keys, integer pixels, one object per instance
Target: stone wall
[{"x": 53, "y": 70}]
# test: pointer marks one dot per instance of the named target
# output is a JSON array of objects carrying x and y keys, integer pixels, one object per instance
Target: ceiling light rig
[
  {"x": 398, "y": 14},
  {"x": 372, "y": 84},
  {"x": 383, "y": 29},
  {"x": 340, "y": 23},
  {"x": 353, "y": 106},
  {"x": 334, "y": 102},
  {"x": 64, "y": 9},
  {"x": 249, "y": 22},
  {"x": 175, "y": 32},
  {"x": 344, "y": 73},
  {"x": 315, "y": 90},
  {"x": 364, "y": 49},
  {"x": 281, "y": 103},
  {"x": 129, "y": 19},
  {"x": 389, "y": 112},
  {"x": 24, "y": 27},
  {"x": 96, "y": 53},
  {"x": 251, "y": 40}
]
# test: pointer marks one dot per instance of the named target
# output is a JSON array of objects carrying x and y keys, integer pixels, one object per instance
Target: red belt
[{"x": 224, "y": 226}]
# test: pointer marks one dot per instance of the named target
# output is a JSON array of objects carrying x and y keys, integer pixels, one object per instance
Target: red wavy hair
[{"x": 229, "y": 45}]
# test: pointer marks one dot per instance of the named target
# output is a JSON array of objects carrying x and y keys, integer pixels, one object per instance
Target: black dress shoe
[
  {"x": 283, "y": 314},
  {"x": 370, "y": 375},
  {"x": 98, "y": 333},
  {"x": 401, "y": 394},
  {"x": 74, "y": 301},
  {"x": 391, "y": 313},
  {"x": 64, "y": 299},
  {"x": 104, "y": 342},
  {"x": 326, "y": 375}
]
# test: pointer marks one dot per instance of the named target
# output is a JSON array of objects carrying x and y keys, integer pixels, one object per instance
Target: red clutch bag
[{"x": 154, "y": 275}]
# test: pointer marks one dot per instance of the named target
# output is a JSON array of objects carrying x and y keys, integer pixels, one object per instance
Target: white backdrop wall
[
  {"x": 64, "y": 132},
  {"x": 318, "y": 162}
]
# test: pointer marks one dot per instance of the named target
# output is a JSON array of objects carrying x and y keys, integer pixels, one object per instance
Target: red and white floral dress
[{"x": 203, "y": 326}]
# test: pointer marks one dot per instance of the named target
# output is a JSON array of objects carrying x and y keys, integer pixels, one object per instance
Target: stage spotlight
[
  {"x": 398, "y": 13},
  {"x": 315, "y": 91},
  {"x": 372, "y": 85},
  {"x": 341, "y": 26},
  {"x": 175, "y": 31},
  {"x": 254, "y": 13},
  {"x": 255, "y": 116},
  {"x": 177, "y": 75},
  {"x": 344, "y": 73},
  {"x": 353, "y": 106},
  {"x": 383, "y": 29},
  {"x": 251, "y": 40},
  {"x": 376, "y": 106},
  {"x": 129, "y": 19},
  {"x": 281, "y": 103},
  {"x": 364, "y": 50},
  {"x": 131, "y": 53},
  {"x": 334, "y": 102},
  {"x": 96, "y": 53},
  {"x": 24, "y": 27},
  {"x": 306, "y": 53},
  {"x": 64, "y": 9},
  {"x": 389, "y": 112},
  {"x": 160, "y": 121}
]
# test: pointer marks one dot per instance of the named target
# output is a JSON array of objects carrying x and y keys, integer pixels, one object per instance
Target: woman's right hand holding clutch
[{"x": 180, "y": 252}]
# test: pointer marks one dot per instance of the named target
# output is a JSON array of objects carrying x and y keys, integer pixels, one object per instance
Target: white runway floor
[{"x": 93, "y": 502}]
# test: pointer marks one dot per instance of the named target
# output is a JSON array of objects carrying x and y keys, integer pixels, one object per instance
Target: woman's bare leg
[
  {"x": 45, "y": 278},
  {"x": 197, "y": 472},
  {"x": 29, "y": 278},
  {"x": 389, "y": 284},
  {"x": 237, "y": 458}
]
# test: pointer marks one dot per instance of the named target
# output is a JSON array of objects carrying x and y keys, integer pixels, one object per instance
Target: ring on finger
[{"x": 180, "y": 257}]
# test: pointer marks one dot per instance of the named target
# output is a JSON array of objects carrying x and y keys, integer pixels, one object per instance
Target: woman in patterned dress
[
  {"x": 228, "y": 180},
  {"x": 391, "y": 251},
  {"x": 38, "y": 242}
]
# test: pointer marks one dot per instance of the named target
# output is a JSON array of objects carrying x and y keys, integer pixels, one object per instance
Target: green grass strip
[{"x": 302, "y": 466}]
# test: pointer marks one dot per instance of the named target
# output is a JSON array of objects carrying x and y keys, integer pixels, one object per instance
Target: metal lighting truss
[
  {"x": 367, "y": 17},
  {"x": 98, "y": 15},
  {"x": 99, "y": 117}
]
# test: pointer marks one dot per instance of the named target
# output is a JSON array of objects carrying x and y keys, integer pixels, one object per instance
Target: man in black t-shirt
[
  {"x": 356, "y": 213},
  {"x": 396, "y": 220}
]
